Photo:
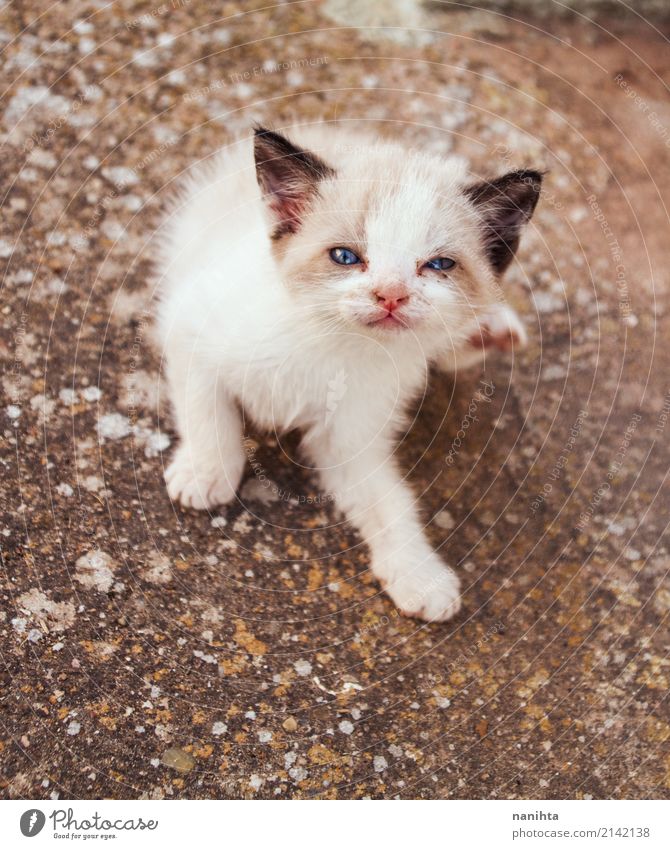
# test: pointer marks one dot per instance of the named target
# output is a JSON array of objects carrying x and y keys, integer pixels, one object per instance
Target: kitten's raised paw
[
  {"x": 429, "y": 591},
  {"x": 501, "y": 329},
  {"x": 195, "y": 488}
]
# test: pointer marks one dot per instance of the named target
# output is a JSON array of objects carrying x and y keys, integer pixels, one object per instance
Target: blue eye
[
  {"x": 343, "y": 256},
  {"x": 440, "y": 263}
]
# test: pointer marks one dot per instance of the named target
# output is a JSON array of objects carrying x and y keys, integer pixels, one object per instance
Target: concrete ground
[{"x": 153, "y": 652}]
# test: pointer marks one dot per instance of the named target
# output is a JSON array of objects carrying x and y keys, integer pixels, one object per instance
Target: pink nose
[{"x": 391, "y": 297}]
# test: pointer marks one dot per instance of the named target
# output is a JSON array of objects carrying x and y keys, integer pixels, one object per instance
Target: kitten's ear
[
  {"x": 506, "y": 204},
  {"x": 288, "y": 177}
]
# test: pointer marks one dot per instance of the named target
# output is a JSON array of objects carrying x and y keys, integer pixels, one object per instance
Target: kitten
[{"x": 311, "y": 283}]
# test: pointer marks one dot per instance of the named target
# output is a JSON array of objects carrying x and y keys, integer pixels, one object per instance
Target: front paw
[
  {"x": 501, "y": 329},
  {"x": 423, "y": 588},
  {"x": 196, "y": 485}
]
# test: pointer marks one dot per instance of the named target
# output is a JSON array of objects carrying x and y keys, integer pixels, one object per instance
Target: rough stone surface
[{"x": 206, "y": 635}]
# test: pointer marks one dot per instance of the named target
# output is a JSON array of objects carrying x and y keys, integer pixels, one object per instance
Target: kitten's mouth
[{"x": 390, "y": 320}]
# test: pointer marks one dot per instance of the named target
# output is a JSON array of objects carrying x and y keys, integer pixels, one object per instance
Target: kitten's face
[{"x": 390, "y": 242}]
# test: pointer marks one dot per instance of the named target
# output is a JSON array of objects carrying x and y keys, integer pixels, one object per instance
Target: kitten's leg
[
  {"x": 369, "y": 489},
  {"x": 208, "y": 464},
  {"x": 498, "y": 328}
]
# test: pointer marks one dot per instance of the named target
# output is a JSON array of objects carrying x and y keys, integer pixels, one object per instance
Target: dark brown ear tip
[
  {"x": 533, "y": 174},
  {"x": 529, "y": 176},
  {"x": 262, "y": 132},
  {"x": 512, "y": 182}
]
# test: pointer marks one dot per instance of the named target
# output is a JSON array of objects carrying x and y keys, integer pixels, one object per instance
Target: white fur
[{"x": 281, "y": 334}]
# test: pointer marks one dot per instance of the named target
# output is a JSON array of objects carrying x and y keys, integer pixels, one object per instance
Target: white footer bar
[{"x": 325, "y": 824}]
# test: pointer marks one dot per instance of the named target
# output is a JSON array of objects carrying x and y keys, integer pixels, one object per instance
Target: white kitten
[{"x": 312, "y": 286}]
